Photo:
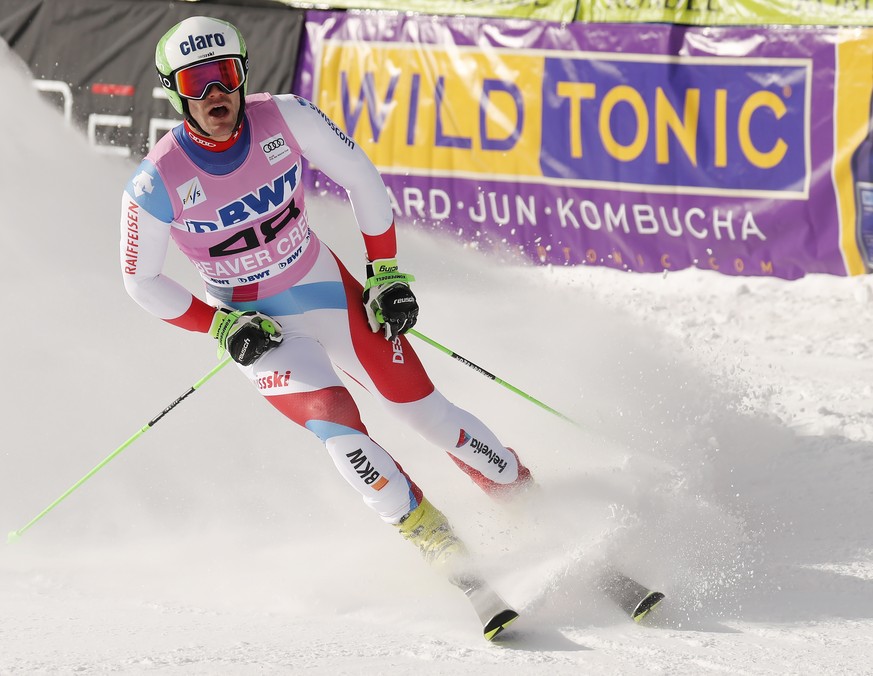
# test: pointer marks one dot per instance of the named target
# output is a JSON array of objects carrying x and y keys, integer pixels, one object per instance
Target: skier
[{"x": 226, "y": 187}]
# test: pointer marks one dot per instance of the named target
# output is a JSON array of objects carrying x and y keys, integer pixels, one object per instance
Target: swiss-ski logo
[{"x": 269, "y": 380}]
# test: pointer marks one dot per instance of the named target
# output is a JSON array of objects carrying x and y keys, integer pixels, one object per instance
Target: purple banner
[{"x": 641, "y": 148}]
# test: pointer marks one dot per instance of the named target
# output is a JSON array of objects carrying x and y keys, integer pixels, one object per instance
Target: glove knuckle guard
[{"x": 246, "y": 346}]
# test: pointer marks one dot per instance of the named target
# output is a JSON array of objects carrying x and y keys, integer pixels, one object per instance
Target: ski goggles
[{"x": 194, "y": 81}]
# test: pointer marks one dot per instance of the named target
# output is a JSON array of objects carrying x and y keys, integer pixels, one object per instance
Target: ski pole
[
  {"x": 14, "y": 535},
  {"x": 487, "y": 374}
]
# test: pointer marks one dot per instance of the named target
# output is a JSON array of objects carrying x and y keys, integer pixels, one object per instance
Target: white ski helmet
[{"x": 201, "y": 40}]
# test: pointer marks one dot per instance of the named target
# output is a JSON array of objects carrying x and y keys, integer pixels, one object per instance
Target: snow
[{"x": 723, "y": 453}]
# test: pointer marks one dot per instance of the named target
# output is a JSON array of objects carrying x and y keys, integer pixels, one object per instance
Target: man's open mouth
[{"x": 218, "y": 111}]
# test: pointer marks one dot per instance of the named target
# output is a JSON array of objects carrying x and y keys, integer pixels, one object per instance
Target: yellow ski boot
[{"x": 428, "y": 529}]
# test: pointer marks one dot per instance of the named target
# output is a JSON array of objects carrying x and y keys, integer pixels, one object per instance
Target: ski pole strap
[
  {"x": 14, "y": 535},
  {"x": 488, "y": 374},
  {"x": 385, "y": 271}
]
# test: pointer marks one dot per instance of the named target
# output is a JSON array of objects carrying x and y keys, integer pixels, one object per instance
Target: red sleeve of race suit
[
  {"x": 198, "y": 317},
  {"x": 381, "y": 246}
]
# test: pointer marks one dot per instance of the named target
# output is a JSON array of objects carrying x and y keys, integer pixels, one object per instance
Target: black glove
[
  {"x": 246, "y": 335},
  {"x": 388, "y": 300}
]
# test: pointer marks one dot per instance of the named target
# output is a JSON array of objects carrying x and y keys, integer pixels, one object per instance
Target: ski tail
[
  {"x": 646, "y": 605},
  {"x": 494, "y": 613},
  {"x": 498, "y": 623},
  {"x": 628, "y": 594}
]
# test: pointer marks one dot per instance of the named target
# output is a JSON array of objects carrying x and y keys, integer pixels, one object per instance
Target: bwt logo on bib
[
  {"x": 195, "y": 43},
  {"x": 266, "y": 199}
]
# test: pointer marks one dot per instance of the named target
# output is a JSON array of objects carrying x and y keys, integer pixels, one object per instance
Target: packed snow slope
[{"x": 722, "y": 451}]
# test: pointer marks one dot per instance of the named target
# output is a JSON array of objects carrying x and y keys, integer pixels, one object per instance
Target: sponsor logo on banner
[
  {"x": 628, "y": 158},
  {"x": 191, "y": 193},
  {"x": 275, "y": 148},
  {"x": 654, "y": 123},
  {"x": 683, "y": 124}
]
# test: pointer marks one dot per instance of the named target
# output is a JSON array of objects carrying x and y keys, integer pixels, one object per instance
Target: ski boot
[{"x": 428, "y": 529}]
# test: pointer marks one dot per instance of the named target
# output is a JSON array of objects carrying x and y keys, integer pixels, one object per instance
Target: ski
[
  {"x": 632, "y": 597},
  {"x": 494, "y": 613}
]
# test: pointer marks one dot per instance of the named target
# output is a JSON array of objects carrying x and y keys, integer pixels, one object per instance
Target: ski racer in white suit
[{"x": 226, "y": 187}]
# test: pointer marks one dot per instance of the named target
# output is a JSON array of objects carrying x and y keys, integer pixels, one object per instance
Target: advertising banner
[
  {"x": 541, "y": 10},
  {"x": 95, "y": 59},
  {"x": 729, "y": 12},
  {"x": 641, "y": 148}
]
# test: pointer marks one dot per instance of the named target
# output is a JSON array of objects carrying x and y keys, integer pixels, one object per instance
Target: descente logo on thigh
[{"x": 397, "y": 346}]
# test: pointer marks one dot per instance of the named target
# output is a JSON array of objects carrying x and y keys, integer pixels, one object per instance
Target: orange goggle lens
[{"x": 193, "y": 82}]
